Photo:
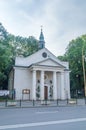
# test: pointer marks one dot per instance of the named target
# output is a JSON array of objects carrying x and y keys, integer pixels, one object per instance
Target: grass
[{"x": 4, "y": 98}]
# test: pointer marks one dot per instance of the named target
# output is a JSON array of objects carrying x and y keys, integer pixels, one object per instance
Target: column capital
[
  {"x": 62, "y": 72},
  {"x": 34, "y": 71},
  {"x": 42, "y": 71},
  {"x": 54, "y": 71}
]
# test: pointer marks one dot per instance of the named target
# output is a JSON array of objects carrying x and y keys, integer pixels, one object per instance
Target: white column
[
  {"x": 67, "y": 84},
  {"x": 42, "y": 85},
  {"x": 34, "y": 85},
  {"x": 62, "y": 86},
  {"x": 54, "y": 86}
]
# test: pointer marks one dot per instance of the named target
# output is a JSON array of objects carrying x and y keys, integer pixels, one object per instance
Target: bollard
[
  {"x": 6, "y": 103},
  {"x": 33, "y": 103},
  {"x": 45, "y": 101},
  {"x": 76, "y": 101},
  {"x": 20, "y": 103},
  {"x": 67, "y": 101},
  {"x": 85, "y": 100},
  {"x": 57, "y": 102}
]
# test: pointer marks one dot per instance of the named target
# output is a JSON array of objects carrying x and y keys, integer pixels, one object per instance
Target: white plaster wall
[
  {"x": 38, "y": 75},
  {"x": 49, "y": 76},
  {"x": 10, "y": 81},
  {"x": 67, "y": 84},
  {"x": 63, "y": 96},
  {"x": 58, "y": 86},
  {"x": 61, "y": 85},
  {"x": 49, "y": 62},
  {"x": 22, "y": 78}
]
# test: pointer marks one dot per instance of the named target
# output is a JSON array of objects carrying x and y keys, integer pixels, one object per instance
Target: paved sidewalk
[{"x": 45, "y": 103}]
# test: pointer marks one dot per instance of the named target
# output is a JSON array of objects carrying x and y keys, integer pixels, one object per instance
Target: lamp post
[{"x": 83, "y": 65}]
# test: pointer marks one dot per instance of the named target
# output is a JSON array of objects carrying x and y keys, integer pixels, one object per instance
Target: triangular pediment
[{"x": 49, "y": 62}]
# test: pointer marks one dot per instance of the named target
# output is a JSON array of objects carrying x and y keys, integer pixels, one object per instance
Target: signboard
[
  {"x": 4, "y": 92},
  {"x": 26, "y": 91}
]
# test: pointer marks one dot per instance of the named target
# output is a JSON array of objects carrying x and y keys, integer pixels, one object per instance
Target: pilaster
[
  {"x": 34, "y": 84},
  {"x": 42, "y": 85},
  {"x": 62, "y": 86},
  {"x": 54, "y": 86}
]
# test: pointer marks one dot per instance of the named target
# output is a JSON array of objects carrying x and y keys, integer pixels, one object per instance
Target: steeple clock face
[{"x": 44, "y": 54}]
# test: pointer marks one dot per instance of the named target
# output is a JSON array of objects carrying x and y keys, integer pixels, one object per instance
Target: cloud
[{"x": 62, "y": 20}]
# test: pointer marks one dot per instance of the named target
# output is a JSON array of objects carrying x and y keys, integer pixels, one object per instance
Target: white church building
[{"x": 40, "y": 76}]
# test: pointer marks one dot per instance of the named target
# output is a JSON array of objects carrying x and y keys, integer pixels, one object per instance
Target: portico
[{"x": 50, "y": 82}]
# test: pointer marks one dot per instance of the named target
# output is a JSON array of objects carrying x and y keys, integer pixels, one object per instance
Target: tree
[
  {"x": 10, "y": 47},
  {"x": 73, "y": 55},
  {"x": 31, "y": 46},
  {"x": 22, "y": 46},
  {"x": 4, "y": 63},
  {"x": 3, "y": 32}
]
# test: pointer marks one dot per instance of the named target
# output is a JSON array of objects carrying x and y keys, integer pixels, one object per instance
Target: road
[{"x": 48, "y": 118}]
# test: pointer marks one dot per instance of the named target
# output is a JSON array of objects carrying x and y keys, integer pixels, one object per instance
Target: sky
[{"x": 62, "y": 20}]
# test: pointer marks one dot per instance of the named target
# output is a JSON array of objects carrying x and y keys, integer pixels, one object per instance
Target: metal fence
[{"x": 40, "y": 103}]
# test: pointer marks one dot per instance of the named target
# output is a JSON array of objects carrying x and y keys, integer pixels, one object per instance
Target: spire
[{"x": 41, "y": 40}]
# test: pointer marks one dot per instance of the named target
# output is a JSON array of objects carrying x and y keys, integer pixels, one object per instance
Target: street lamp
[{"x": 83, "y": 65}]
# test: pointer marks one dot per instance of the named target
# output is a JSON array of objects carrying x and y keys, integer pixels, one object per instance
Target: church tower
[{"x": 41, "y": 40}]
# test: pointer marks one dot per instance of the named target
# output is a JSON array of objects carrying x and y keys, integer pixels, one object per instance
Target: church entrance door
[{"x": 45, "y": 92}]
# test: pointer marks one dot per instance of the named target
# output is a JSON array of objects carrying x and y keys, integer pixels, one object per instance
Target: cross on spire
[
  {"x": 41, "y": 28},
  {"x": 41, "y": 39}
]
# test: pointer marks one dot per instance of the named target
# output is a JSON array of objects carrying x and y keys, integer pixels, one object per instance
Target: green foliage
[
  {"x": 22, "y": 46},
  {"x": 3, "y": 32},
  {"x": 4, "y": 64},
  {"x": 4, "y": 57},
  {"x": 10, "y": 47},
  {"x": 62, "y": 58},
  {"x": 73, "y": 55}
]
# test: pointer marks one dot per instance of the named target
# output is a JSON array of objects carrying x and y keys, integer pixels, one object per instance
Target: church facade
[{"x": 40, "y": 76}]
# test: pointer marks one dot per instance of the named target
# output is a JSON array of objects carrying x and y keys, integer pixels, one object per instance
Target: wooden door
[{"x": 45, "y": 92}]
